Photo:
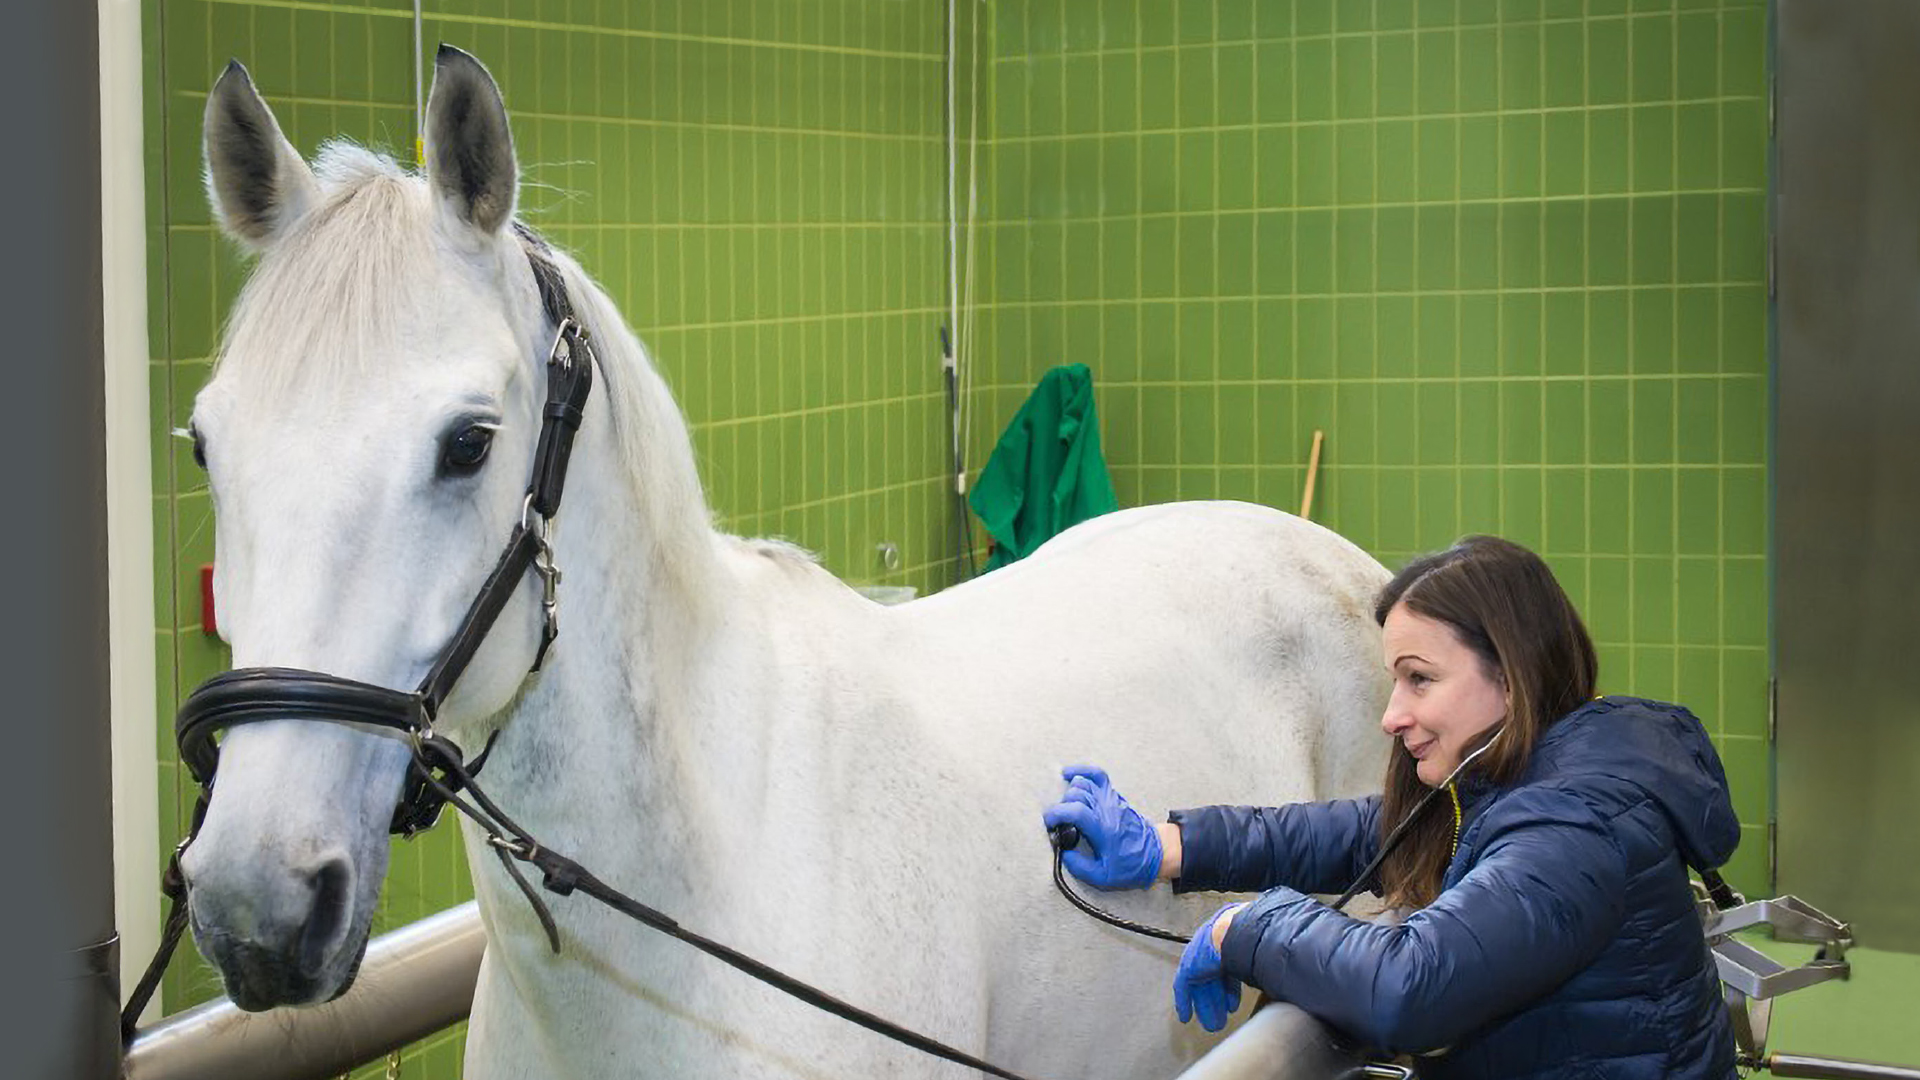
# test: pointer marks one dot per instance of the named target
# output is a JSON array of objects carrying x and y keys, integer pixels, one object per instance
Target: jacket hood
[{"x": 1662, "y": 749}]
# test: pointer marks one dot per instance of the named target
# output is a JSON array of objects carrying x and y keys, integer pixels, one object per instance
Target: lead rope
[
  {"x": 174, "y": 886},
  {"x": 439, "y": 762},
  {"x": 563, "y": 876}
]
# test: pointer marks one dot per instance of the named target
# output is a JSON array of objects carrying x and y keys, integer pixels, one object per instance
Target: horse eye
[
  {"x": 199, "y": 447},
  {"x": 466, "y": 449}
]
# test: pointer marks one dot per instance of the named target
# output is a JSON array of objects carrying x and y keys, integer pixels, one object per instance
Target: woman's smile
[{"x": 1443, "y": 693}]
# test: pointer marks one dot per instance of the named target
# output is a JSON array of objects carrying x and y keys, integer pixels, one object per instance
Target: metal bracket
[
  {"x": 1791, "y": 918},
  {"x": 1759, "y": 976},
  {"x": 1752, "y": 979}
]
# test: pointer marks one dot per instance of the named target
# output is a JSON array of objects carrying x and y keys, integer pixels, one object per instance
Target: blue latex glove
[
  {"x": 1126, "y": 849},
  {"x": 1200, "y": 986}
]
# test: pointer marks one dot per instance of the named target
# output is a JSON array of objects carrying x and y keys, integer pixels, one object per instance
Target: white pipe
[
  {"x": 414, "y": 982},
  {"x": 953, "y": 206},
  {"x": 419, "y": 109},
  {"x": 131, "y": 655},
  {"x": 963, "y": 337}
]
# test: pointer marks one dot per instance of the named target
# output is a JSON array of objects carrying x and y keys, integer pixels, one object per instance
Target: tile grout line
[
  {"x": 1459, "y": 329},
  {"x": 1213, "y": 59},
  {"x": 1373, "y": 301},
  {"x": 1586, "y": 306},
  {"x": 1673, "y": 395},
  {"x": 1253, "y": 184},
  {"x": 1632, "y": 353}
]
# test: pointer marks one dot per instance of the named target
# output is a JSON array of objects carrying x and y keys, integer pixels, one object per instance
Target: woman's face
[{"x": 1443, "y": 695}]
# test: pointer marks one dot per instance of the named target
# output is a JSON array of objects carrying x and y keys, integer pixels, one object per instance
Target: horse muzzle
[{"x": 304, "y": 949}]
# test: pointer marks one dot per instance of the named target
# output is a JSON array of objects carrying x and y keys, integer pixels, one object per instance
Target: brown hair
[{"x": 1503, "y": 603}]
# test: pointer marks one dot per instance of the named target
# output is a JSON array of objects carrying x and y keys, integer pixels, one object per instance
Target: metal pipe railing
[
  {"x": 414, "y": 981},
  {"x": 1834, "y": 1068},
  {"x": 1278, "y": 1042},
  {"x": 420, "y": 979}
]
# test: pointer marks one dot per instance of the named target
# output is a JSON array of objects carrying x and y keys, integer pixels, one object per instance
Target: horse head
[{"x": 367, "y": 435}]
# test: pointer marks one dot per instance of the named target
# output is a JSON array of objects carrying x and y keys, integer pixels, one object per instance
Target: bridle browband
[{"x": 438, "y": 774}]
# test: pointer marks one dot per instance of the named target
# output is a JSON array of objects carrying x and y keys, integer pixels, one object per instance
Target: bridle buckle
[
  {"x": 544, "y": 566},
  {"x": 566, "y": 337}
]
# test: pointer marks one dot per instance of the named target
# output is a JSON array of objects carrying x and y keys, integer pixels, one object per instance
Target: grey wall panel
[
  {"x": 58, "y": 992},
  {"x": 1847, "y": 454}
]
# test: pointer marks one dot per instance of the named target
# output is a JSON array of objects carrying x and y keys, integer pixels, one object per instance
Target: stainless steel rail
[
  {"x": 414, "y": 982},
  {"x": 1834, "y": 1068},
  {"x": 1281, "y": 1042},
  {"x": 420, "y": 979}
]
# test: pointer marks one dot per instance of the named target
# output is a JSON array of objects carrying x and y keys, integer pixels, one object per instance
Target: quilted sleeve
[
  {"x": 1542, "y": 901},
  {"x": 1312, "y": 847}
]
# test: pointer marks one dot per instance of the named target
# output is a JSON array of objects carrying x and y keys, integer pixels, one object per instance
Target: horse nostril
[{"x": 332, "y": 883}]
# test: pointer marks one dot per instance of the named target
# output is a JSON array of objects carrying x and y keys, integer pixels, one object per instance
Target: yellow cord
[{"x": 1454, "y": 794}]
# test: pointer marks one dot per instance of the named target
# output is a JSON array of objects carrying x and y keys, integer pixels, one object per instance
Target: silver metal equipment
[{"x": 1751, "y": 980}]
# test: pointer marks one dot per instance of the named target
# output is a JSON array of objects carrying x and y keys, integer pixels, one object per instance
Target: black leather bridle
[
  {"x": 250, "y": 695},
  {"x": 438, "y": 773}
]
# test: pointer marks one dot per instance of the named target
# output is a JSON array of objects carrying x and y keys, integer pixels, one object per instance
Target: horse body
[
  {"x": 725, "y": 731},
  {"x": 852, "y": 792}
]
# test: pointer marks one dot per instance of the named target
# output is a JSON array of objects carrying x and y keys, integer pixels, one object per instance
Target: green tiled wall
[
  {"x": 1507, "y": 254},
  {"x": 758, "y": 183}
]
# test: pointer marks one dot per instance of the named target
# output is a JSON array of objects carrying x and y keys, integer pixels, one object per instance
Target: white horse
[{"x": 849, "y": 792}]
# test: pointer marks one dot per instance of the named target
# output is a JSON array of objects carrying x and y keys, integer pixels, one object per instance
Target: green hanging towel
[{"x": 1046, "y": 472}]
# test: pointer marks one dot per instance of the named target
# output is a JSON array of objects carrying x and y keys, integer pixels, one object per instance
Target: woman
[{"x": 1552, "y": 929}]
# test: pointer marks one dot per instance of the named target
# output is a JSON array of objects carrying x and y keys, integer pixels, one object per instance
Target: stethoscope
[{"x": 1066, "y": 837}]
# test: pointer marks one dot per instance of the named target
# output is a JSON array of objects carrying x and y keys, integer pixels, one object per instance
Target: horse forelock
[{"x": 343, "y": 284}]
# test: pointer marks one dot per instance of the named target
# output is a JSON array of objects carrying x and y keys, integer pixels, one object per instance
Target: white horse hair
[{"x": 849, "y": 792}]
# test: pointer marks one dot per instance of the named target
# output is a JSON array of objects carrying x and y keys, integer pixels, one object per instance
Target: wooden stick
[{"x": 1313, "y": 472}]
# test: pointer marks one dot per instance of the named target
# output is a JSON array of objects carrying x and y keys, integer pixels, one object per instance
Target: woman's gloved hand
[
  {"x": 1126, "y": 849},
  {"x": 1200, "y": 986}
]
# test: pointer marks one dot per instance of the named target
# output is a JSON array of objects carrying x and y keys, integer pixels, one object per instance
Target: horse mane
[
  {"x": 779, "y": 550},
  {"x": 655, "y": 446},
  {"x": 344, "y": 281}
]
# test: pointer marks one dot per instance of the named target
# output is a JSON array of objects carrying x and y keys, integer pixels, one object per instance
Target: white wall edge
[{"x": 130, "y": 577}]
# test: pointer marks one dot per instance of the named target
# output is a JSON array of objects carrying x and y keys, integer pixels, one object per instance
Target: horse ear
[
  {"x": 469, "y": 147},
  {"x": 256, "y": 181}
]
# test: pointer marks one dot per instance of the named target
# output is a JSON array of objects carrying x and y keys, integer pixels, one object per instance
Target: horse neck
[{"x": 599, "y": 743}]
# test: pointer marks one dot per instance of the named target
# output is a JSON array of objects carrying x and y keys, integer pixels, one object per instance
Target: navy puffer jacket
[{"x": 1566, "y": 942}]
